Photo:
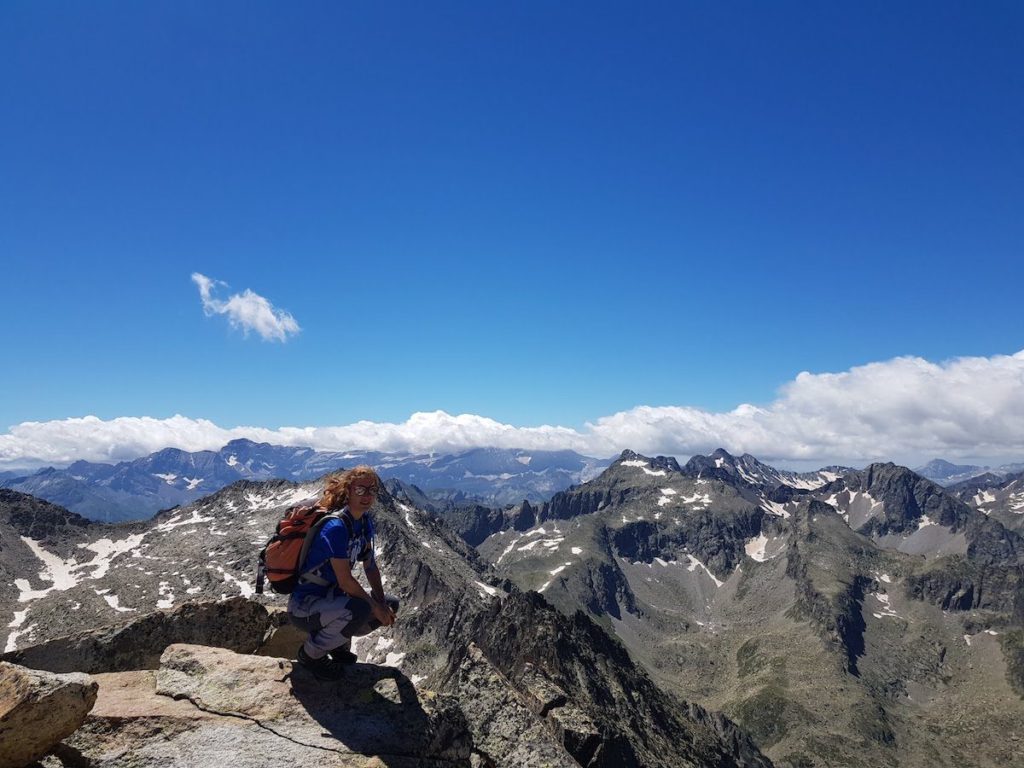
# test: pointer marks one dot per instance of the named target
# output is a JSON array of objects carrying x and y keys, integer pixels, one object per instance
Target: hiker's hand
[{"x": 383, "y": 613}]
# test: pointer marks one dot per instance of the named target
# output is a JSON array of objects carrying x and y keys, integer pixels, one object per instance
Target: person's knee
[
  {"x": 360, "y": 612},
  {"x": 309, "y": 624}
]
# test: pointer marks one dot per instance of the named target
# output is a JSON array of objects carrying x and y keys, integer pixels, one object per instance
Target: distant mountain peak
[{"x": 946, "y": 473}]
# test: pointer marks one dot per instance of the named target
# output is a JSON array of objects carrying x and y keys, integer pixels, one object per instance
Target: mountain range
[
  {"x": 866, "y": 617},
  {"x": 718, "y": 612},
  {"x": 137, "y": 489}
]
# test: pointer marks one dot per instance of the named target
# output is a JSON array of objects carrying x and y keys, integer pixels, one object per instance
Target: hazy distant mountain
[
  {"x": 947, "y": 474},
  {"x": 134, "y": 490}
]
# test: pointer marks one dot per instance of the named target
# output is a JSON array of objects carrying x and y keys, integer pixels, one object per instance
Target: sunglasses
[{"x": 363, "y": 490}]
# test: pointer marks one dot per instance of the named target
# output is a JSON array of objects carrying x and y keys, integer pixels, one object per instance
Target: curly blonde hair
[{"x": 336, "y": 490}]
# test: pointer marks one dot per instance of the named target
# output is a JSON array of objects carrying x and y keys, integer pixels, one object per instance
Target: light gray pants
[{"x": 333, "y": 620}]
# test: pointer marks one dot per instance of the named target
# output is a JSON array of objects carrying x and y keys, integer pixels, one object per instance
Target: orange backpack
[{"x": 282, "y": 558}]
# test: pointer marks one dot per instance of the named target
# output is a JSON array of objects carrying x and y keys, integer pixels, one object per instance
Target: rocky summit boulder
[
  {"x": 237, "y": 624},
  {"x": 211, "y": 706},
  {"x": 37, "y": 710}
]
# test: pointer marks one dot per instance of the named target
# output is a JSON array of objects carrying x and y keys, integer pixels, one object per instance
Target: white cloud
[
  {"x": 906, "y": 410},
  {"x": 248, "y": 311}
]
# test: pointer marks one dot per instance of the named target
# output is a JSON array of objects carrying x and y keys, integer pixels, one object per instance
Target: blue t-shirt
[{"x": 333, "y": 541}]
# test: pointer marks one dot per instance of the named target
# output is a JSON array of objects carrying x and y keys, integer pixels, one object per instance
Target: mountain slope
[{"x": 833, "y": 646}]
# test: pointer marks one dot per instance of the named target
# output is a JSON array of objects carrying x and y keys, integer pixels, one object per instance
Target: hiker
[{"x": 328, "y": 602}]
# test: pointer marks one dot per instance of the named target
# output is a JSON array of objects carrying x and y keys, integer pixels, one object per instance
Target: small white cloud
[{"x": 248, "y": 311}]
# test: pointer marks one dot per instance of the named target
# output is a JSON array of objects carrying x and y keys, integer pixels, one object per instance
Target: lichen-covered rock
[
  {"x": 507, "y": 732},
  {"x": 38, "y": 710}
]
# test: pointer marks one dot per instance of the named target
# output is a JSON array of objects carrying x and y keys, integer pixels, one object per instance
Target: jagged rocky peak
[
  {"x": 908, "y": 498},
  {"x": 720, "y": 464},
  {"x": 632, "y": 458}
]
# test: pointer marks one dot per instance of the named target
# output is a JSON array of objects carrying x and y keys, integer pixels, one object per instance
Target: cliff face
[
  {"x": 828, "y": 564},
  {"x": 986, "y": 573},
  {"x": 639, "y": 724}
]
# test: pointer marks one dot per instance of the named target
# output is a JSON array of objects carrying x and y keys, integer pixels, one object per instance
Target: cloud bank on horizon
[
  {"x": 247, "y": 310},
  {"x": 906, "y": 409}
]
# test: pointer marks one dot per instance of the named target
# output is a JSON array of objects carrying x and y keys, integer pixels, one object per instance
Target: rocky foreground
[{"x": 142, "y": 697}]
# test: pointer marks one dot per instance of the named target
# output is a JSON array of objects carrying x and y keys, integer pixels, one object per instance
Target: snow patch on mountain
[
  {"x": 1017, "y": 503},
  {"x": 810, "y": 483},
  {"x": 244, "y": 587},
  {"x": 166, "y": 595},
  {"x": 694, "y": 564},
  {"x": 114, "y": 602},
  {"x": 755, "y": 548},
  {"x": 16, "y": 622},
  {"x": 645, "y": 466},
  {"x": 177, "y": 521},
  {"x": 984, "y": 497},
  {"x": 774, "y": 508},
  {"x": 515, "y": 540},
  {"x": 701, "y": 499},
  {"x": 65, "y": 574},
  {"x": 486, "y": 590},
  {"x": 406, "y": 510},
  {"x": 886, "y": 609}
]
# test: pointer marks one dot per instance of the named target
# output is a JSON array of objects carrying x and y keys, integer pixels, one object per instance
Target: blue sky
[{"x": 533, "y": 213}]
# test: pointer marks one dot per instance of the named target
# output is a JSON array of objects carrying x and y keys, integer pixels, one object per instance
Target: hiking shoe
[
  {"x": 343, "y": 656},
  {"x": 324, "y": 668}
]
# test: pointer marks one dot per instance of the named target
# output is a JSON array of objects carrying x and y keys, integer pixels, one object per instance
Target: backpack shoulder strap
[
  {"x": 311, "y": 534},
  {"x": 345, "y": 516},
  {"x": 314, "y": 529}
]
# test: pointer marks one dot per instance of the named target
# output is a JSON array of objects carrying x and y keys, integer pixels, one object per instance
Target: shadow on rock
[{"x": 376, "y": 710}]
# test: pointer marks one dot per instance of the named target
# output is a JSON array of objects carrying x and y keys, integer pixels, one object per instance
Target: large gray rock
[
  {"x": 237, "y": 624},
  {"x": 38, "y": 710},
  {"x": 372, "y": 711},
  {"x": 207, "y": 706}
]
